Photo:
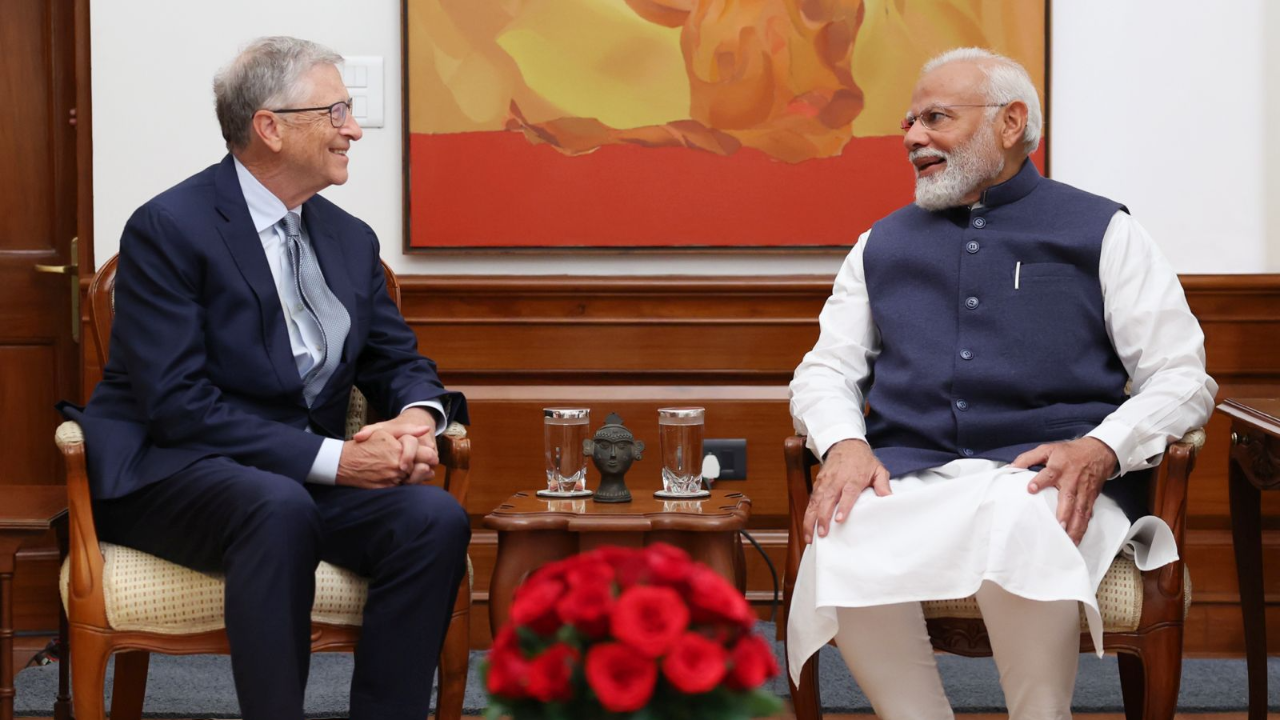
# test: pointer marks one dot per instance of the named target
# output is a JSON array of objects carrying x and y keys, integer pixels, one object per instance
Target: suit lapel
[
  {"x": 246, "y": 250},
  {"x": 333, "y": 263}
]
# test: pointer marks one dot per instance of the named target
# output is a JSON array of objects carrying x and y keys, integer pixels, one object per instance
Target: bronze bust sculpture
[{"x": 612, "y": 451}]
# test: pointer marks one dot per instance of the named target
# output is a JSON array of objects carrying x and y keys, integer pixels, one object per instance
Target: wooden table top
[
  {"x": 1264, "y": 413},
  {"x": 31, "y": 507},
  {"x": 724, "y": 510}
]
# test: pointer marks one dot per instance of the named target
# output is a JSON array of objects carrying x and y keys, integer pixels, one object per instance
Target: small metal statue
[{"x": 612, "y": 451}]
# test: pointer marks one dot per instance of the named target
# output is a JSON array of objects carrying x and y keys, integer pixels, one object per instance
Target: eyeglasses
[
  {"x": 337, "y": 112},
  {"x": 939, "y": 117}
]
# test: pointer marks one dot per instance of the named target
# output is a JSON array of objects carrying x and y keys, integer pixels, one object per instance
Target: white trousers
[{"x": 1036, "y": 646}]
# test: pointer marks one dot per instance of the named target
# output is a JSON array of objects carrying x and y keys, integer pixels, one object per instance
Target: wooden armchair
[
  {"x": 1142, "y": 612},
  {"x": 123, "y": 601}
]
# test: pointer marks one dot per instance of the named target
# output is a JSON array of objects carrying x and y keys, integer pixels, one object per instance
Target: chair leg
[
  {"x": 130, "y": 685},
  {"x": 1151, "y": 676},
  {"x": 1132, "y": 684},
  {"x": 88, "y": 674},
  {"x": 454, "y": 657},
  {"x": 806, "y": 697}
]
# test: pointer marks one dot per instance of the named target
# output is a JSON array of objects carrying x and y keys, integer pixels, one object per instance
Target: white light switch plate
[{"x": 363, "y": 78}]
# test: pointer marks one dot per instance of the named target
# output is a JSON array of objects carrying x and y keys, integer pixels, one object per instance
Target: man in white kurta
[{"x": 999, "y": 418}]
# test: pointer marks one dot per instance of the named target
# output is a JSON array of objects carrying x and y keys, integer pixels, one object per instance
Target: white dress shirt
[
  {"x": 1150, "y": 325},
  {"x": 305, "y": 338}
]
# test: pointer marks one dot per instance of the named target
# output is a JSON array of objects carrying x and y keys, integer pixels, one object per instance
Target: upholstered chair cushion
[{"x": 1119, "y": 599}]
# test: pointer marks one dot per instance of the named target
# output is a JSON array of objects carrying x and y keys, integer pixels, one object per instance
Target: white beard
[{"x": 968, "y": 166}]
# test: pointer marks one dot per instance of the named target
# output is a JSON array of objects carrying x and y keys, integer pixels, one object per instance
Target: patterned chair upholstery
[
  {"x": 1142, "y": 613},
  {"x": 126, "y": 602}
]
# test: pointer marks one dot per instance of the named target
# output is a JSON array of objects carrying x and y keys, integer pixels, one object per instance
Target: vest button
[
  {"x": 966, "y": 354},
  {"x": 979, "y": 222},
  {"x": 962, "y": 405},
  {"x": 972, "y": 246},
  {"x": 971, "y": 303},
  {"x": 967, "y": 452}
]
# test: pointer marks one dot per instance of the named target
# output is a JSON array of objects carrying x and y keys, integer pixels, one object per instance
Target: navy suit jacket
[{"x": 200, "y": 361}]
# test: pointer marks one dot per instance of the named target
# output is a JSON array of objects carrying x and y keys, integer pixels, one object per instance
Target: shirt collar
[
  {"x": 265, "y": 208},
  {"x": 1013, "y": 189}
]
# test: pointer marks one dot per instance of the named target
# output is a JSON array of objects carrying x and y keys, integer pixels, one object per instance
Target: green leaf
[{"x": 759, "y": 703}]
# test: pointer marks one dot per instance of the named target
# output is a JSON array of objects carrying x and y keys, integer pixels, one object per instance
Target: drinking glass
[
  {"x": 564, "y": 430},
  {"x": 680, "y": 435}
]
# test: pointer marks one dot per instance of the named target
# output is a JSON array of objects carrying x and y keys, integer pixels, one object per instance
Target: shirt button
[
  {"x": 972, "y": 246},
  {"x": 298, "y": 308},
  {"x": 979, "y": 222},
  {"x": 968, "y": 452},
  {"x": 962, "y": 405},
  {"x": 971, "y": 303},
  {"x": 966, "y": 354}
]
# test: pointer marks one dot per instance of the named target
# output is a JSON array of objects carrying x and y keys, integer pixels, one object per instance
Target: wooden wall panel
[{"x": 515, "y": 345}]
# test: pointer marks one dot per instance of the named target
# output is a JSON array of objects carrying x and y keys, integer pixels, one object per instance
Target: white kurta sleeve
[
  {"x": 829, "y": 387},
  {"x": 1160, "y": 343}
]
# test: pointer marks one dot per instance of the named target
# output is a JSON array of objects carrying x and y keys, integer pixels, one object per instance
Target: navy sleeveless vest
[{"x": 991, "y": 325}]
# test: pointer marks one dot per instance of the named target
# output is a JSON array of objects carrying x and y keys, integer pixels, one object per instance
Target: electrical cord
[{"x": 773, "y": 572}]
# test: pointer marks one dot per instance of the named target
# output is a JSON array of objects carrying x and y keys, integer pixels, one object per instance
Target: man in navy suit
[{"x": 246, "y": 308}]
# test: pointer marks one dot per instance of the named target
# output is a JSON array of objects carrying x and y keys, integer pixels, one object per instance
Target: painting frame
[{"x": 565, "y": 245}]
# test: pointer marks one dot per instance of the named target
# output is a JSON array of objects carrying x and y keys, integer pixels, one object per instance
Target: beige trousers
[{"x": 1036, "y": 646}]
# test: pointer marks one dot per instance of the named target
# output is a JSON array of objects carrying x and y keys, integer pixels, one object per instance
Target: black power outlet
[{"x": 732, "y": 455}]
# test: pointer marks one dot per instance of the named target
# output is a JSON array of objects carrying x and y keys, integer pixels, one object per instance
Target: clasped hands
[
  {"x": 401, "y": 451},
  {"x": 1078, "y": 469}
]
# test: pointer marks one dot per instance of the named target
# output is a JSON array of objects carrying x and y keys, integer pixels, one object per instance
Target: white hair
[
  {"x": 1007, "y": 81},
  {"x": 268, "y": 73}
]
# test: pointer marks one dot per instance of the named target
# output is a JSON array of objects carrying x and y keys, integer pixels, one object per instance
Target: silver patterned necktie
[{"x": 320, "y": 302}]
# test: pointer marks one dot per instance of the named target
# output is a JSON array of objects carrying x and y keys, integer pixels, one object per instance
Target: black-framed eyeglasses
[
  {"x": 337, "y": 112},
  {"x": 939, "y": 117}
]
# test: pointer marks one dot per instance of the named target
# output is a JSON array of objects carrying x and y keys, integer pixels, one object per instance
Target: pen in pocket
[{"x": 1017, "y": 274}]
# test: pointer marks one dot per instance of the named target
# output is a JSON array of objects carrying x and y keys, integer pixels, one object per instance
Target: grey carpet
[{"x": 200, "y": 686}]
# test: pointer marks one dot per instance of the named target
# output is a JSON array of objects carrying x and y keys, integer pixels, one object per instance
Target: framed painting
[{"x": 696, "y": 124}]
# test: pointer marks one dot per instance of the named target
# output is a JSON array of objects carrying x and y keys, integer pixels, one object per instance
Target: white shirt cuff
[
  {"x": 436, "y": 409},
  {"x": 820, "y": 443},
  {"x": 324, "y": 471},
  {"x": 1123, "y": 441}
]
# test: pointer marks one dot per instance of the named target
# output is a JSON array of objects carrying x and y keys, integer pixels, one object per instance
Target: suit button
[
  {"x": 979, "y": 222},
  {"x": 972, "y": 246},
  {"x": 971, "y": 303},
  {"x": 966, "y": 354},
  {"x": 967, "y": 452},
  {"x": 962, "y": 405}
]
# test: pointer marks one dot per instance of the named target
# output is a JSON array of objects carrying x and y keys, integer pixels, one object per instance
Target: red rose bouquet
[{"x": 622, "y": 633}]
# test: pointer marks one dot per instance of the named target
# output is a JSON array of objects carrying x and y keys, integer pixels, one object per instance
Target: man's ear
[
  {"x": 266, "y": 126},
  {"x": 1013, "y": 124}
]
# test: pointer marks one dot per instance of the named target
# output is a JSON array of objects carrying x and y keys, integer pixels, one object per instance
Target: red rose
[
  {"x": 752, "y": 662},
  {"x": 712, "y": 599},
  {"x": 695, "y": 664},
  {"x": 550, "y": 672},
  {"x": 587, "y": 608},
  {"x": 649, "y": 618},
  {"x": 622, "y": 679},
  {"x": 628, "y": 564},
  {"x": 589, "y": 572},
  {"x": 535, "y": 606},
  {"x": 668, "y": 565},
  {"x": 508, "y": 671}
]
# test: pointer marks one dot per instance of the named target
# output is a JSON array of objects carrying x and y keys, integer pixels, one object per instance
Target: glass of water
[
  {"x": 680, "y": 435},
  {"x": 564, "y": 430}
]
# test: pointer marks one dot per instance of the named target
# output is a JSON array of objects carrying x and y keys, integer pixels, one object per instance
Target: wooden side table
[
  {"x": 533, "y": 531},
  {"x": 28, "y": 511},
  {"x": 1253, "y": 466}
]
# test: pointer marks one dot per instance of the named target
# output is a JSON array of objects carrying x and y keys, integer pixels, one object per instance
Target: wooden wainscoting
[{"x": 629, "y": 345}]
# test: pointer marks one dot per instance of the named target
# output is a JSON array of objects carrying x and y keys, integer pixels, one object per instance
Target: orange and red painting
[{"x": 674, "y": 123}]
